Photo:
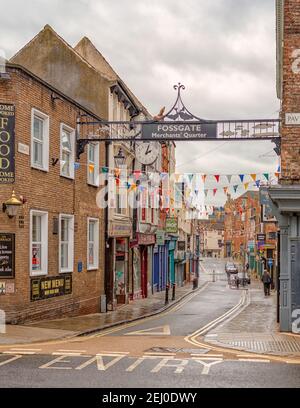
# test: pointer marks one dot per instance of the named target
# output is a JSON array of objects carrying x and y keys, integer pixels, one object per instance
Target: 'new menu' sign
[{"x": 7, "y": 143}]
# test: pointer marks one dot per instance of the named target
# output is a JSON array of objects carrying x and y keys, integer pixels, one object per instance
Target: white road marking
[
  {"x": 153, "y": 331},
  {"x": 159, "y": 354},
  {"x": 73, "y": 351},
  {"x": 59, "y": 359},
  {"x": 101, "y": 366},
  {"x": 10, "y": 360},
  {"x": 25, "y": 349},
  {"x": 62, "y": 353},
  {"x": 207, "y": 366},
  {"x": 165, "y": 363},
  {"x": 139, "y": 361},
  {"x": 254, "y": 360},
  {"x": 19, "y": 352},
  {"x": 208, "y": 355}
]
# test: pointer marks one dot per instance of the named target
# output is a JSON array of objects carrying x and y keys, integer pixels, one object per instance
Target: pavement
[
  {"x": 56, "y": 329},
  {"x": 255, "y": 329}
]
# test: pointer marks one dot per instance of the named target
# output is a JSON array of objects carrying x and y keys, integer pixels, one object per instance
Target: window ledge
[
  {"x": 92, "y": 268},
  {"x": 34, "y": 274},
  {"x": 36, "y": 167}
]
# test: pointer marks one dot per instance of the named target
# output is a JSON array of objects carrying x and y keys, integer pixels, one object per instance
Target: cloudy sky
[{"x": 223, "y": 51}]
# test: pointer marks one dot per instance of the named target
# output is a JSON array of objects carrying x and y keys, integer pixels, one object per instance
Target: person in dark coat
[{"x": 267, "y": 280}]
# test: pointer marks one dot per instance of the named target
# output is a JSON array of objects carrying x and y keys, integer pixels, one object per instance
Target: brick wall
[
  {"x": 50, "y": 192},
  {"x": 290, "y": 150}
]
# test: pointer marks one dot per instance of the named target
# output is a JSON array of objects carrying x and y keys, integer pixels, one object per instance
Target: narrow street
[{"x": 154, "y": 352}]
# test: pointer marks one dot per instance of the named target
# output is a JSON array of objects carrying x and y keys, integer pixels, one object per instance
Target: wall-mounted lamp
[
  {"x": 11, "y": 206},
  {"x": 120, "y": 159}
]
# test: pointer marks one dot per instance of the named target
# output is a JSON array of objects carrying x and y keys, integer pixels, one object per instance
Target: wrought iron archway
[{"x": 178, "y": 124}]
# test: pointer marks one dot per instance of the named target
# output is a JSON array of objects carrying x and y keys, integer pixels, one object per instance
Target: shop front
[
  {"x": 119, "y": 236},
  {"x": 146, "y": 244},
  {"x": 160, "y": 262}
]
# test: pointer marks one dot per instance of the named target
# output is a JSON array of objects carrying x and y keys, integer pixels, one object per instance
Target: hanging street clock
[{"x": 147, "y": 152}]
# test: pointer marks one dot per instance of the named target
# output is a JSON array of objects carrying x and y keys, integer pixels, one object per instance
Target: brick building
[
  {"x": 250, "y": 236},
  {"x": 52, "y": 250},
  {"x": 286, "y": 195}
]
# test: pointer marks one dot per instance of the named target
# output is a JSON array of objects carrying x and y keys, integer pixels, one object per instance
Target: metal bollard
[
  {"x": 173, "y": 291},
  {"x": 167, "y": 294}
]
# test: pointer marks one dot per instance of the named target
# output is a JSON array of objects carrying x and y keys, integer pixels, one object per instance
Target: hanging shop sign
[
  {"x": 171, "y": 225},
  {"x": 146, "y": 239},
  {"x": 45, "y": 288},
  {"x": 261, "y": 237},
  {"x": 160, "y": 237},
  {"x": 181, "y": 245},
  {"x": 7, "y": 255},
  {"x": 119, "y": 230},
  {"x": 7, "y": 143},
  {"x": 181, "y": 131}
]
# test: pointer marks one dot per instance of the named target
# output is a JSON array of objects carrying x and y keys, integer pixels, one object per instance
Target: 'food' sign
[{"x": 7, "y": 143}]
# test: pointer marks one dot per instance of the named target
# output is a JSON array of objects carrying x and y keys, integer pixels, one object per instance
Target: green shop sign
[{"x": 172, "y": 225}]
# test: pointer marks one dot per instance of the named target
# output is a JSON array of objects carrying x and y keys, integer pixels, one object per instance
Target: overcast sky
[{"x": 223, "y": 51}]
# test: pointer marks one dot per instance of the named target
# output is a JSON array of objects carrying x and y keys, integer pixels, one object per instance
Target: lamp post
[{"x": 11, "y": 206}]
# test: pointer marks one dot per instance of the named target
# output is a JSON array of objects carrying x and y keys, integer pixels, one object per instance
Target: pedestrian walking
[{"x": 267, "y": 280}]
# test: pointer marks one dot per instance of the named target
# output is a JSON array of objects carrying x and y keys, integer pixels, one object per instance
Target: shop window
[
  {"x": 93, "y": 244},
  {"x": 39, "y": 140},
  {"x": 67, "y": 151},
  {"x": 38, "y": 243},
  {"x": 66, "y": 243},
  {"x": 121, "y": 257}
]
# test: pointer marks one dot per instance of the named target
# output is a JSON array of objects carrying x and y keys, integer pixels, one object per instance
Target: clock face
[{"x": 147, "y": 152}]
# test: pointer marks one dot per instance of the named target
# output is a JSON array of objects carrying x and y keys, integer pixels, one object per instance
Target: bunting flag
[
  {"x": 235, "y": 188},
  {"x": 91, "y": 168},
  {"x": 117, "y": 181},
  {"x": 241, "y": 176},
  {"x": 229, "y": 178},
  {"x": 190, "y": 176},
  {"x": 104, "y": 169},
  {"x": 257, "y": 182},
  {"x": 205, "y": 193},
  {"x": 76, "y": 166},
  {"x": 163, "y": 175},
  {"x": 276, "y": 174},
  {"x": 203, "y": 177},
  {"x": 217, "y": 177},
  {"x": 253, "y": 176},
  {"x": 137, "y": 174},
  {"x": 177, "y": 176},
  {"x": 142, "y": 188},
  {"x": 266, "y": 176},
  {"x": 196, "y": 192},
  {"x": 117, "y": 172},
  {"x": 246, "y": 186},
  {"x": 278, "y": 169},
  {"x": 214, "y": 191},
  {"x": 225, "y": 189}
]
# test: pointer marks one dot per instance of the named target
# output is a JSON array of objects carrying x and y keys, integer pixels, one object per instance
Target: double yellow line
[{"x": 192, "y": 338}]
